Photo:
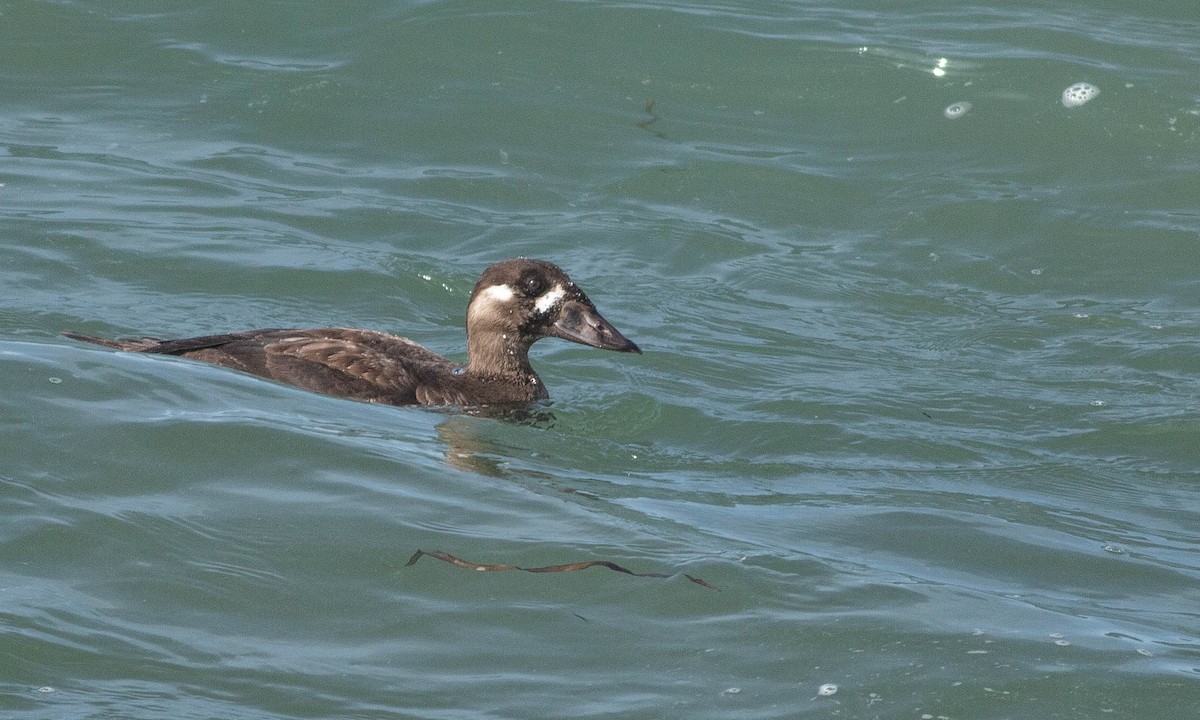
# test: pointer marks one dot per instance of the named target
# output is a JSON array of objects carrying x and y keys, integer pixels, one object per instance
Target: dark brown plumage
[{"x": 514, "y": 304}]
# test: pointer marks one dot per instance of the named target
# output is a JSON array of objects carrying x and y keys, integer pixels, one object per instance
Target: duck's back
[{"x": 357, "y": 364}]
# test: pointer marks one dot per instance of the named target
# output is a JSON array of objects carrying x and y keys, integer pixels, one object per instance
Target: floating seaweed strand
[{"x": 459, "y": 562}]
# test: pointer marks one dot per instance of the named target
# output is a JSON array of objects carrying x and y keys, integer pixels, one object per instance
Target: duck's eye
[{"x": 533, "y": 285}]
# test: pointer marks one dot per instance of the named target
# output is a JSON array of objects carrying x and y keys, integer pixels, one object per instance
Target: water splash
[{"x": 956, "y": 110}]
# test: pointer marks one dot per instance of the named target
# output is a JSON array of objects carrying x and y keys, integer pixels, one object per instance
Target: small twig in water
[{"x": 459, "y": 562}]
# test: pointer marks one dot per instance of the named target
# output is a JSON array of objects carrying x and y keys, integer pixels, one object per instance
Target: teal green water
[{"x": 919, "y": 393}]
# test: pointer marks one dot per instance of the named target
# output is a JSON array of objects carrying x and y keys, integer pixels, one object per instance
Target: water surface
[{"x": 919, "y": 392}]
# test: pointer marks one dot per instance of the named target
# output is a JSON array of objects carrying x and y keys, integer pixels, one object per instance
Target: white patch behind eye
[
  {"x": 549, "y": 299},
  {"x": 497, "y": 293}
]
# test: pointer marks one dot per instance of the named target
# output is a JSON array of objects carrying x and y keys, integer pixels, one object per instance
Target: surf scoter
[{"x": 514, "y": 304}]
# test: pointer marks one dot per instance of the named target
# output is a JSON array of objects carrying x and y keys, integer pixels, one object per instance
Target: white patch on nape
[
  {"x": 497, "y": 293},
  {"x": 546, "y": 302}
]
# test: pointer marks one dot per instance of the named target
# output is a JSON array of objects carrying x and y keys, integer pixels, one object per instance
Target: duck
[{"x": 515, "y": 303}]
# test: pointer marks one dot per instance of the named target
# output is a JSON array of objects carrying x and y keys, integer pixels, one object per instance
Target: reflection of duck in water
[{"x": 514, "y": 304}]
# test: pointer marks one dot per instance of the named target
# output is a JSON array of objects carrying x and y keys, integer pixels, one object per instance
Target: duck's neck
[{"x": 496, "y": 354}]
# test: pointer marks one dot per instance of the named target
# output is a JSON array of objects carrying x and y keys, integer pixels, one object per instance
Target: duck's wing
[{"x": 358, "y": 364}]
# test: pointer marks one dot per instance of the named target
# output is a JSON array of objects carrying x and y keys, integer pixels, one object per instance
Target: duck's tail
[{"x": 130, "y": 344}]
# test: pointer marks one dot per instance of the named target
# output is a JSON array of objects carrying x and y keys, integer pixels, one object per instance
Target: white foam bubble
[
  {"x": 1078, "y": 94},
  {"x": 956, "y": 110}
]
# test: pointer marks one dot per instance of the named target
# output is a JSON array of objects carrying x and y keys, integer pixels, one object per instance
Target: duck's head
[{"x": 518, "y": 302}]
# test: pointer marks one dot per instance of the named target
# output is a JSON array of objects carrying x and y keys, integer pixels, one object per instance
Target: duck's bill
[{"x": 579, "y": 322}]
